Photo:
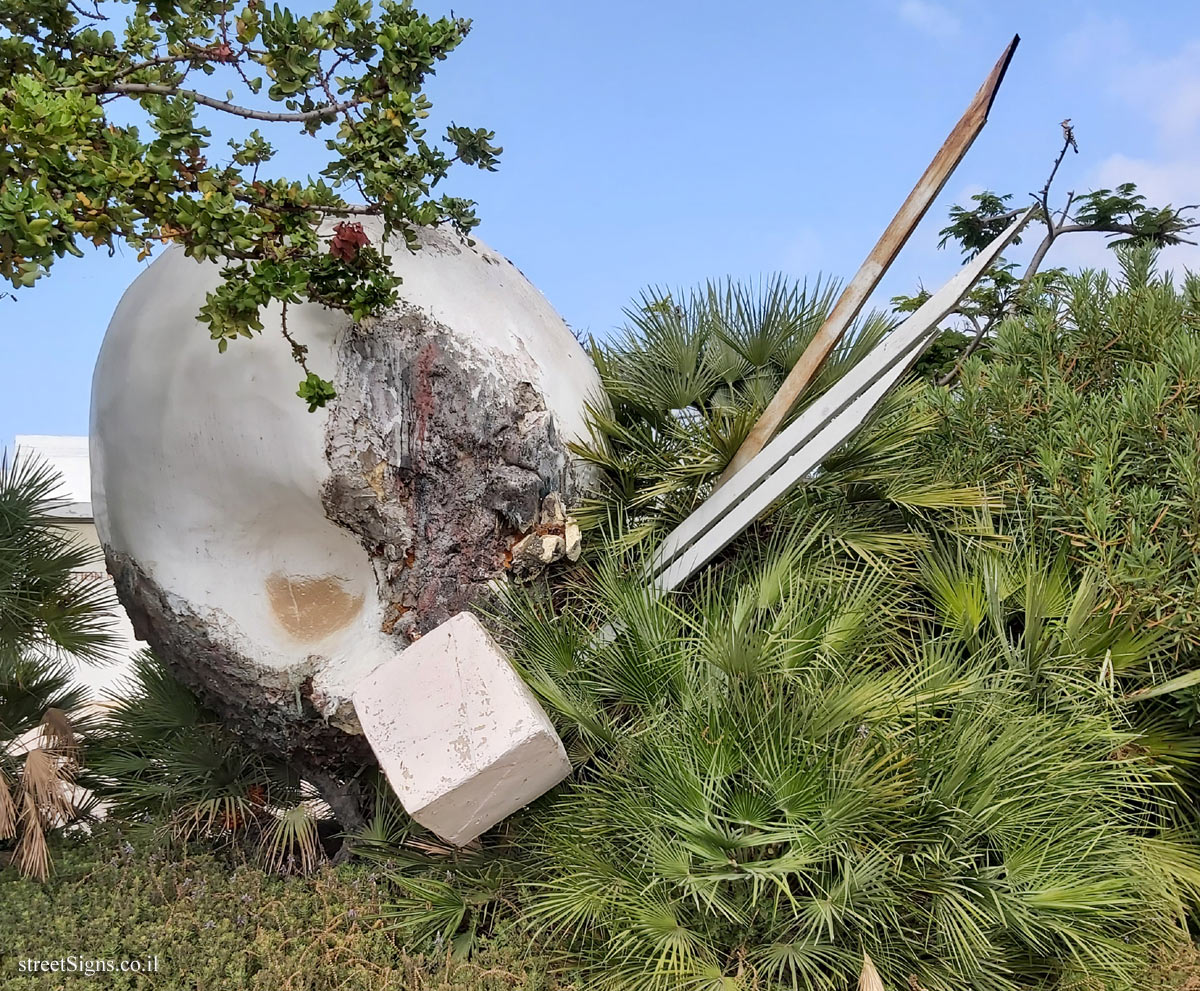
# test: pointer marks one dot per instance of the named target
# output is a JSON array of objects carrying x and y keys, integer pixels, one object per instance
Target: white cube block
[{"x": 462, "y": 740}]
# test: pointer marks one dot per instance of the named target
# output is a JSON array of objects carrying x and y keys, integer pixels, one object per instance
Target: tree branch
[
  {"x": 1052, "y": 230},
  {"x": 1128, "y": 229},
  {"x": 1038, "y": 256},
  {"x": 980, "y": 331},
  {"x": 1044, "y": 196},
  {"x": 346, "y": 210},
  {"x": 328, "y": 110},
  {"x": 158, "y": 60},
  {"x": 1062, "y": 217}
]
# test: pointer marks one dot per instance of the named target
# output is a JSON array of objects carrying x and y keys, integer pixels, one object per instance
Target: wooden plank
[
  {"x": 816, "y": 432},
  {"x": 855, "y": 295}
]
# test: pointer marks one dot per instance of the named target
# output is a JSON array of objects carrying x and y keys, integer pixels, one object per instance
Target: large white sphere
[{"x": 274, "y": 556}]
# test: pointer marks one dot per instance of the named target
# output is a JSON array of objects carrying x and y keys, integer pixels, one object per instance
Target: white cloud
[
  {"x": 1176, "y": 182},
  {"x": 1168, "y": 89},
  {"x": 930, "y": 18}
]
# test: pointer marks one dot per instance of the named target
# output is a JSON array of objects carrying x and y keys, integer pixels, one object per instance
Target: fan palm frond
[
  {"x": 52, "y": 615},
  {"x": 50, "y": 604},
  {"x": 799, "y": 759},
  {"x": 163, "y": 758}
]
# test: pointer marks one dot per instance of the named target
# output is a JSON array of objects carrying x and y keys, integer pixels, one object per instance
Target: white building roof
[{"x": 69, "y": 456}]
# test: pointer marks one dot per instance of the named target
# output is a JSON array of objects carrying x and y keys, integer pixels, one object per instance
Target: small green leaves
[
  {"x": 351, "y": 76},
  {"x": 474, "y": 146},
  {"x": 315, "y": 391}
]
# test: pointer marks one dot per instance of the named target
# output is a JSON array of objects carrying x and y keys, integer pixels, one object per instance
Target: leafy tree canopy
[
  {"x": 1122, "y": 215},
  {"x": 105, "y": 128}
]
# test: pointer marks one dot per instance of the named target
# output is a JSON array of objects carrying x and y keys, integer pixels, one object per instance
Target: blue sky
[{"x": 666, "y": 142}]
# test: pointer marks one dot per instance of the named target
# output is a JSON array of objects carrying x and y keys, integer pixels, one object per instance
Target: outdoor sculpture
[
  {"x": 274, "y": 557},
  {"x": 290, "y": 565}
]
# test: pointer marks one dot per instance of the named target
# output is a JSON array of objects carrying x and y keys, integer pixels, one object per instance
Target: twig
[
  {"x": 1062, "y": 217},
  {"x": 980, "y": 331},
  {"x": 348, "y": 209},
  {"x": 299, "y": 351},
  {"x": 198, "y": 54},
  {"x": 1043, "y": 197},
  {"x": 328, "y": 110},
  {"x": 1129, "y": 229}
]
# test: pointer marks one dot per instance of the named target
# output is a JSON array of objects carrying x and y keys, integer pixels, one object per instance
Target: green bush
[
  {"x": 161, "y": 757},
  {"x": 885, "y": 720},
  {"x": 795, "y": 765},
  {"x": 51, "y": 616},
  {"x": 216, "y": 925},
  {"x": 1085, "y": 413}
]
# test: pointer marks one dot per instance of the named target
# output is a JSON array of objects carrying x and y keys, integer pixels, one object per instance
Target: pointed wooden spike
[{"x": 878, "y": 261}]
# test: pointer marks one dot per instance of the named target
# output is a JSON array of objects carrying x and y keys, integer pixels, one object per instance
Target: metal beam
[
  {"x": 815, "y": 433},
  {"x": 881, "y": 257}
]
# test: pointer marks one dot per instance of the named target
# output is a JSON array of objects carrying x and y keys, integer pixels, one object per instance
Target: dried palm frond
[
  {"x": 869, "y": 980},
  {"x": 51, "y": 616},
  {"x": 8, "y": 809},
  {"x": 46, "y": 780},
  {"x": 58, "y": 732},
  {"x": 32, "y": 854}
]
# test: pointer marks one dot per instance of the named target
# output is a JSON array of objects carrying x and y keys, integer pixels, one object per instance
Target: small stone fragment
[
  {"x": 573, "y": 541},
  {"x": 554, "y": 513}
]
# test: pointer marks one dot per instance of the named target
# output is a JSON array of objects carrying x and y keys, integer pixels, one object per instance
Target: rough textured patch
[{"x": 441, "y": 455}]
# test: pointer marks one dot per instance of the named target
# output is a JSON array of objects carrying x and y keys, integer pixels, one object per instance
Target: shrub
[
  {"x": 790, "y": 768},
  {"x": 1084, "y": 415},
  {"x": 875, "y": 724},
  {"x": 220, "y": 925},
  {"x": 686, "y": 382},
  {"x": 163, "y": 760}
]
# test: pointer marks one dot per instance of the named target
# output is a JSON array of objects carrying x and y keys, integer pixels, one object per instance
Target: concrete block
[{"x": 460, "y": 737}]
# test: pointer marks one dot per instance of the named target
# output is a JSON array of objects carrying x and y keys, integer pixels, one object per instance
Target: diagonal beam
[
  {"x": 815, "y": 433},
  {"x": 878, "y": 261}
]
